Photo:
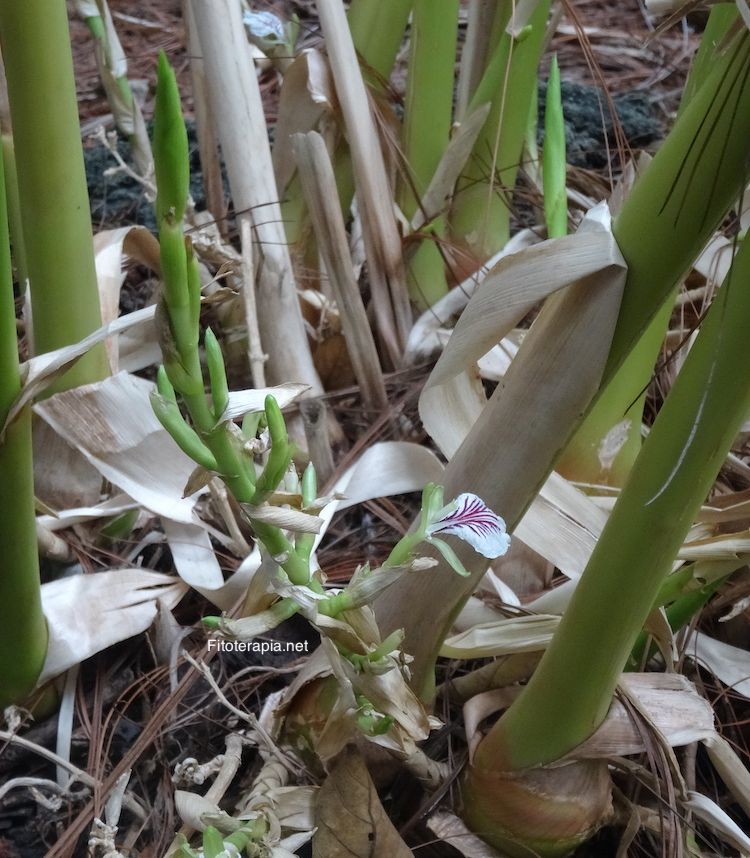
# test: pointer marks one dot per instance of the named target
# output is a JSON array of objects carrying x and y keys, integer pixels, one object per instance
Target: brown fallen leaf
[{"x": 350, "y": 819}]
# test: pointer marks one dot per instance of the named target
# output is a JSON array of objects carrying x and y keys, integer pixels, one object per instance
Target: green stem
[
  {"x": 553, "y": 165},
  {"x": 14, "y": 213},
  {"x": 720, "y": 19},
  {"x": 658, "y": 252},
  {"x": 617, "y": 414},
  {"x": 683, "y": 194},
  {"x": 52, "y": 181},
  {"x": 23, "y": 631},
  {"x": 571, "y": 691},
  {"x": 606, "y": 444},
  {"x": 426, "y": 132},
  {"x": 377, "y": 32},
  {"x": 480, "y": 218}
]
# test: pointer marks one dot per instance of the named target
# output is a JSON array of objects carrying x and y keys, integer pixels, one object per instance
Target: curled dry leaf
[
  {"x": 350, "y": 819},
  {"x": 450, "y": 403},
  {"x": 428, "y": 333},
  {"x": 307, "y": 100},
  {"x": 453, "y": 831},
  {"x": 113, "y": 425},
  {"x": 193, "y": 555},
  {"x": 294, "y": 806},
  {"x": 731, "y": 768},
  {"x": 503, "y": 637},
  {"x": 243, "y": 402},
  {"x": 112, "y": 248},
  {"x": 284, "y": 517},
  {"x": 670, "y": 703},
  {"x": 40, "y": 371},
  {"x": 481, "y": 706},
  {"x": 729, "y": 663},
  {"x": 87, "y": 613},
  {"x": 194, "y": 810},
  {"x": 68, "y": 517},
  {"x": 562, "y": 525},
  {"x": 710, "y": 812}
]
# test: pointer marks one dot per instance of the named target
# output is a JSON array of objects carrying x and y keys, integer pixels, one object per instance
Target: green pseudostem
[
  {"x": 23, "y": 631},
  {"x": 52, "y": 182},
  {"x": 429, "y": 105},
  {"x": 480, "y": 217},
  {"x": 553, "y": 158},
  {"x": 607, "y": 443},
  {"x": 571, "y": 690}
]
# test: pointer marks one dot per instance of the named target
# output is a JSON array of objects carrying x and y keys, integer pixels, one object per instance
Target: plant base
[{"x": 544, "y": 811}]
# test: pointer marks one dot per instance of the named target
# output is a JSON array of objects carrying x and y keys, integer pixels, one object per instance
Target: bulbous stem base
[{"x": 544, "y": 811}]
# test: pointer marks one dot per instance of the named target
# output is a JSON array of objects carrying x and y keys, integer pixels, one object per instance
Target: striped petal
[{"x": 469, "y": 518}]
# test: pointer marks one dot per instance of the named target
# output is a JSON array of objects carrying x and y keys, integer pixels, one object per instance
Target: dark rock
[
  {"x": 119, "y": 200},
  {"x": 589, "y": 126}
]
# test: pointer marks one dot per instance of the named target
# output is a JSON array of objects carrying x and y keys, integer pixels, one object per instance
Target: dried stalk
[
  {"x": 255, "y": 353},
  {"x": 374, "y": 194},
  {"x": 205, "y": 125},
  {"x": 238, "y": 108},
  {"x": 319, "y": 186}
]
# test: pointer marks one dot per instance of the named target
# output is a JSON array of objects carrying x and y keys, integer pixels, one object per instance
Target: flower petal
[{"x": 469, "y": 518}]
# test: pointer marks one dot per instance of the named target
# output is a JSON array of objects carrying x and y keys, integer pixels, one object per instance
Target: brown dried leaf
[{"x": 350, "y": 818}]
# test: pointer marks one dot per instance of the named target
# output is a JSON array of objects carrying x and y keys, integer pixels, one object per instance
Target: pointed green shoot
[
  {"x": 553, "y": 158},
  {"x": 217, "y": 374},
  {"x": 170, "y": 145}
]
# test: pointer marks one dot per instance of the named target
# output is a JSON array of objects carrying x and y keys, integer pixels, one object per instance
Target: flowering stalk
[
  {"x": 212, "y": 440},
  {"x": 467, "y": 518},
  {"x": 249, "y": 836}
]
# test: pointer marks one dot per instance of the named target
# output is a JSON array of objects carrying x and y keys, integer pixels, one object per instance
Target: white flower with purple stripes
[{"x": 469, "y": 518}]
